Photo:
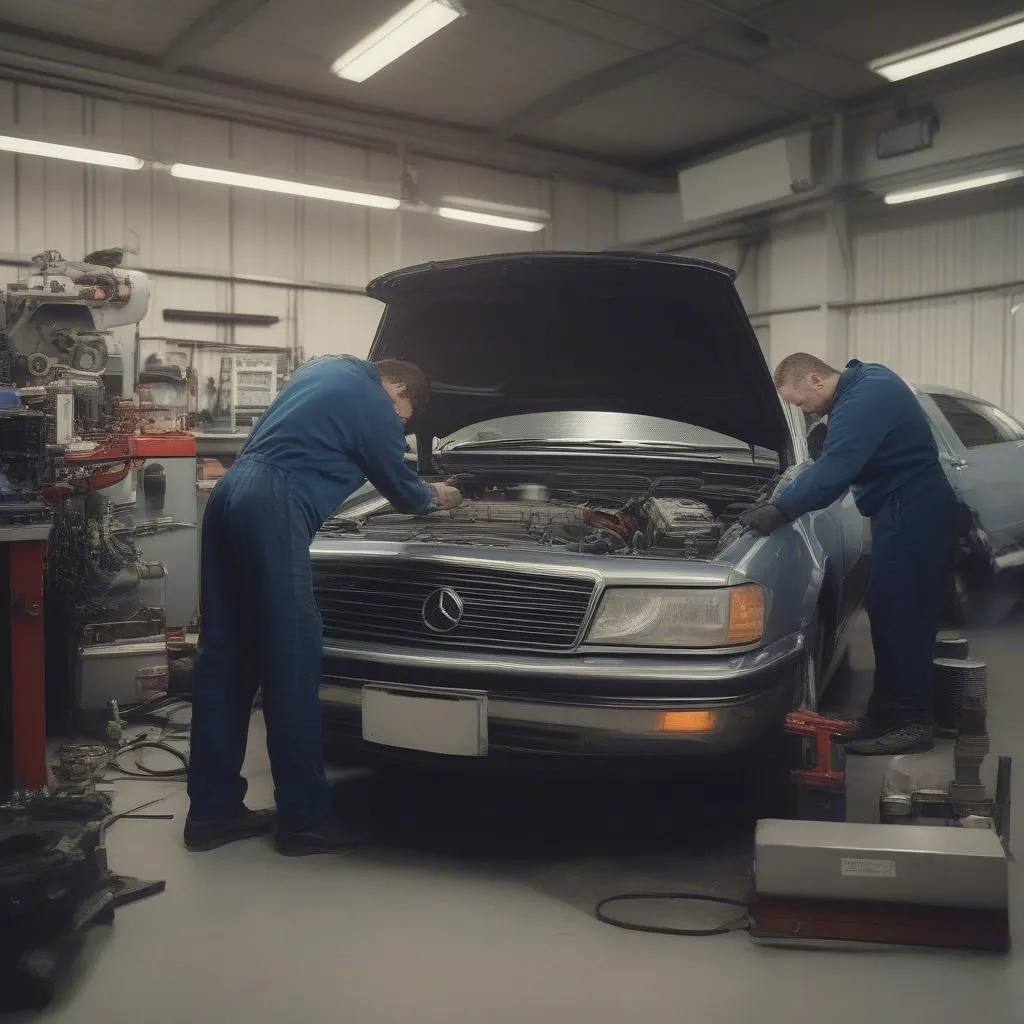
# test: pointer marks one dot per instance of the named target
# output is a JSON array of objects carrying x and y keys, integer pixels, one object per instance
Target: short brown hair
[
  {"x": 800, "y": 366},
  {"x": 417, "y": 387}
]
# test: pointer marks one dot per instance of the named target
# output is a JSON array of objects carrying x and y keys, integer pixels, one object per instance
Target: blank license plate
[{"x": 450, "y": 722}]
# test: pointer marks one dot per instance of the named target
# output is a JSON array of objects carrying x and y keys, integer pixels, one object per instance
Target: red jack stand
[
  {"x": 821, "y": 782},
  {"x": 22, "y": 645}
]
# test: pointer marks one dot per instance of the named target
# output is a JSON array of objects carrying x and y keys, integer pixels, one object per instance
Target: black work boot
[
  {"x": 208, "y": 835},
  {"x": 878, "y": 740},
  {"x": 331, "y": 836}
]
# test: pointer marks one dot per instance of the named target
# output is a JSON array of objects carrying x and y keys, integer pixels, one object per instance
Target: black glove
[
  {"x": 816, "y": 439},
  {"x": 764, "y": 519}
]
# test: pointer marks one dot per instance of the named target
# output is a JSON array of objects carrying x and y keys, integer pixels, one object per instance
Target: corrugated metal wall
[
  {"x": 932, "y": 295},
  {"x": 969, "y": 340},
  {"x": 233, "y": 233}
]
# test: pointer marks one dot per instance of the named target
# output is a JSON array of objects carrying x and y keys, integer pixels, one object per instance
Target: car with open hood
[{"x": 608, "y": 417}]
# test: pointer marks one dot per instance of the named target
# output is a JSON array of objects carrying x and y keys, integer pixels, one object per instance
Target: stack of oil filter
[
  {"x": 951, "y": 653},
  {"x": 972, "y": 744}
]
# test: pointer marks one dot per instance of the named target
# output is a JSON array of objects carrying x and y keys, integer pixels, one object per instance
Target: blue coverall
[
  {"x": 331, "y": 427},
  {"x": 879, "y": 442}
]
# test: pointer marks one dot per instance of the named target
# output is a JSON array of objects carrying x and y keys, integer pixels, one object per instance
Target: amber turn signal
[
  {"x": 686, "y": 721},
  {"x": 746, "y": 614}
]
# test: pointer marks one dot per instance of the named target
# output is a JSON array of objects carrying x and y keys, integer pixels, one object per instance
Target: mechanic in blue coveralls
[
  {"x": 336, "y": 423},
  {"x": 879, "y": 442}
]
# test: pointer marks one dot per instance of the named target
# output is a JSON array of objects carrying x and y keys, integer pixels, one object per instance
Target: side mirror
[{"x": 816, "y": 439}]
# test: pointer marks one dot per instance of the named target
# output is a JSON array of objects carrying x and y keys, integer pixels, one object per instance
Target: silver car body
[
  {"x": 462, "y": 696},
  {"x": 982, "y": 451}
]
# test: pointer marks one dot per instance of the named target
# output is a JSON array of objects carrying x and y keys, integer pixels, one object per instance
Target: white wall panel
[
  {"x": 647, "y": 215},
  {"x": 746, "y": 259},
  {"x": 941, "y": 254},
  {"x": 959, "y": 343},
  {"x": 174, "y": 225},
  {"x": 338, "y": 323},
  {"x": 966, "y": 341},
  {"x": 584, "y": 217},
  {"x": 177, "y": 293}
]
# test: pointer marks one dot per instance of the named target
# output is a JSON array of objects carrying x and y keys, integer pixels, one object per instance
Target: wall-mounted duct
[{"x": 761, "y": 174}]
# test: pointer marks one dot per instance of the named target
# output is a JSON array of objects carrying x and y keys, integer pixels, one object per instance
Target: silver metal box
[
  {"x": 922, "y": 866},
  {"x": 127, "y": 671}
]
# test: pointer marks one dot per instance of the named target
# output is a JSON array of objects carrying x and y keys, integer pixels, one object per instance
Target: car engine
[{"x": 534, "y": 515}]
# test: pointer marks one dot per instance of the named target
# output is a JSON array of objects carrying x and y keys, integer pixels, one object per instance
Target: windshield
[{"x": 590, "y": 427}]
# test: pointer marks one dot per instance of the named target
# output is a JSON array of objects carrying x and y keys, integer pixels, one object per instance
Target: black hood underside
[{"x": 647, "y": 334}]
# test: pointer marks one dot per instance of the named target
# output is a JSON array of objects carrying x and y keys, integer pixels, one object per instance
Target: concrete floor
[{"x": 477, "y": 905}]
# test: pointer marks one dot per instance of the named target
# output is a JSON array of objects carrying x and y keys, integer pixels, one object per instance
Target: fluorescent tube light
[
  {"x": 413, "y": 24},
  {"x": 491, "y": 219},
  {"x": 495, "y": 215},
  {"x": 951, "y": 49},
  {"x": 944, "y": 188},
  {"x": 283, "y": 187},
  {"x": 32, "y": 147}
]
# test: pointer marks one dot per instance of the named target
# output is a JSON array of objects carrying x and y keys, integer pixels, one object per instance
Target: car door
[{"x": 984, "y": 459}]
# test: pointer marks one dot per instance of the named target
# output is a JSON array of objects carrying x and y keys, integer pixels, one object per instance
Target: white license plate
[{"x": 448, "y": 722}]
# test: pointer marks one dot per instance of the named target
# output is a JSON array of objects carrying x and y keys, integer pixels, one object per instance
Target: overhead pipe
[
  {"x": 1011, "y": 288},
  {"x": 233, "y": 279}
]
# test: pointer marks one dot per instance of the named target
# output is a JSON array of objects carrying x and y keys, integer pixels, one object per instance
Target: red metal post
[{"x": 28, "y": 676}]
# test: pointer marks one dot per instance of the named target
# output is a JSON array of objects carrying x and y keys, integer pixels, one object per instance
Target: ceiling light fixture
[
  {"x": 943, "y": 188},
  {"x": 216, "y": 176},
  {"x": 951, "y": 49},
  {"x": 495, "y": 215},
  {"x": 490, "y": 219},
  {"x": 413, "y": 24},
  {"x": 77, "y": 154}
]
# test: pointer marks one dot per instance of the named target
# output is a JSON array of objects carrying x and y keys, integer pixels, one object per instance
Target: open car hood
[{"x": 638, "y": 333}]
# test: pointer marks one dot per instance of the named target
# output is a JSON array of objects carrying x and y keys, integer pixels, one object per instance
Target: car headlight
[{"x": 649, "y": 617}]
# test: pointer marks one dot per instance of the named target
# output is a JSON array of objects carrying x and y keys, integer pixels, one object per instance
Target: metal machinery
[
  {"x": 165, "y": 517},
  {"x": 68, "y": 449}
]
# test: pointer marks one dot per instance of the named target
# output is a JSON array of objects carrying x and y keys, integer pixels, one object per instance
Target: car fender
[{"x": 792, "y": 568}]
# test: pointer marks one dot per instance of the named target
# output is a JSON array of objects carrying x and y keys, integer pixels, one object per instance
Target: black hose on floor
[{"x": 741, "y": 925}]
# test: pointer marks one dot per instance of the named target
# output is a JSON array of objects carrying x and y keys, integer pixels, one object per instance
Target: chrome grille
[{"x": 501, "y": 609}]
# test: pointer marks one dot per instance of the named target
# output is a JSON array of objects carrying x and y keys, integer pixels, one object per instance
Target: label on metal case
[{"x": 867, "y": 868}]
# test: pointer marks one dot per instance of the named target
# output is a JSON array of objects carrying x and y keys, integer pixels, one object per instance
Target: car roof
[{"x": 941, "y": 389}]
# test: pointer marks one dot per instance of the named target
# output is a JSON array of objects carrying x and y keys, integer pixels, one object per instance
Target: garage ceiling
[{"x": 631, "y": 86}]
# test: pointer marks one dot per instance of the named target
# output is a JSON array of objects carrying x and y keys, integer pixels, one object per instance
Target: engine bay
[{"x": 662, "y": 521}]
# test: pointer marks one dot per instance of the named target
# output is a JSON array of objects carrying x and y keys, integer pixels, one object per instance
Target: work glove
[
  {"x": 446, "y": 496},
  {"x": 816, "y": 439},
  {"x": 764, "y": 519}
]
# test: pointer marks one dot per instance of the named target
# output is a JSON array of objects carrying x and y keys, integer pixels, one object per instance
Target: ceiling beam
[
  {"x": 794, "y": 40},
  {"x": 582, "y": 90},
  {"x": 217, "y": 21},
  {"x": 69, "y": 66},
  {"x": 642, "y": 65}
]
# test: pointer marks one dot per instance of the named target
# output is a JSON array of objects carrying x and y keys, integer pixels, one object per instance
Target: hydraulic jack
[{"x": 821, "y": 781}]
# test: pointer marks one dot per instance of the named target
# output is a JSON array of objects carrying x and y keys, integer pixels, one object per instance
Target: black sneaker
[
  {"x": 910, "y": 738},
  {"x": 332, "y": 836},
  {"x": 208, "y": 835}
]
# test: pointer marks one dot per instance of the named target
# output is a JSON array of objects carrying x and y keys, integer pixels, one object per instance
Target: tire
[
  {"x": 776, "y": 754},
  {"x": 813, "y": 666}
]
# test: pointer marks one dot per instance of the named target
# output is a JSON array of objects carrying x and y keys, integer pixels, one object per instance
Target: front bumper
[{"x": 586, "y": 706}]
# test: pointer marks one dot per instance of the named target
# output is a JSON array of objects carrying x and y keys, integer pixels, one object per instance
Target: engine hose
[
  {"x": 598, "y": 544},
  {"x": 150, "y": 773}
]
